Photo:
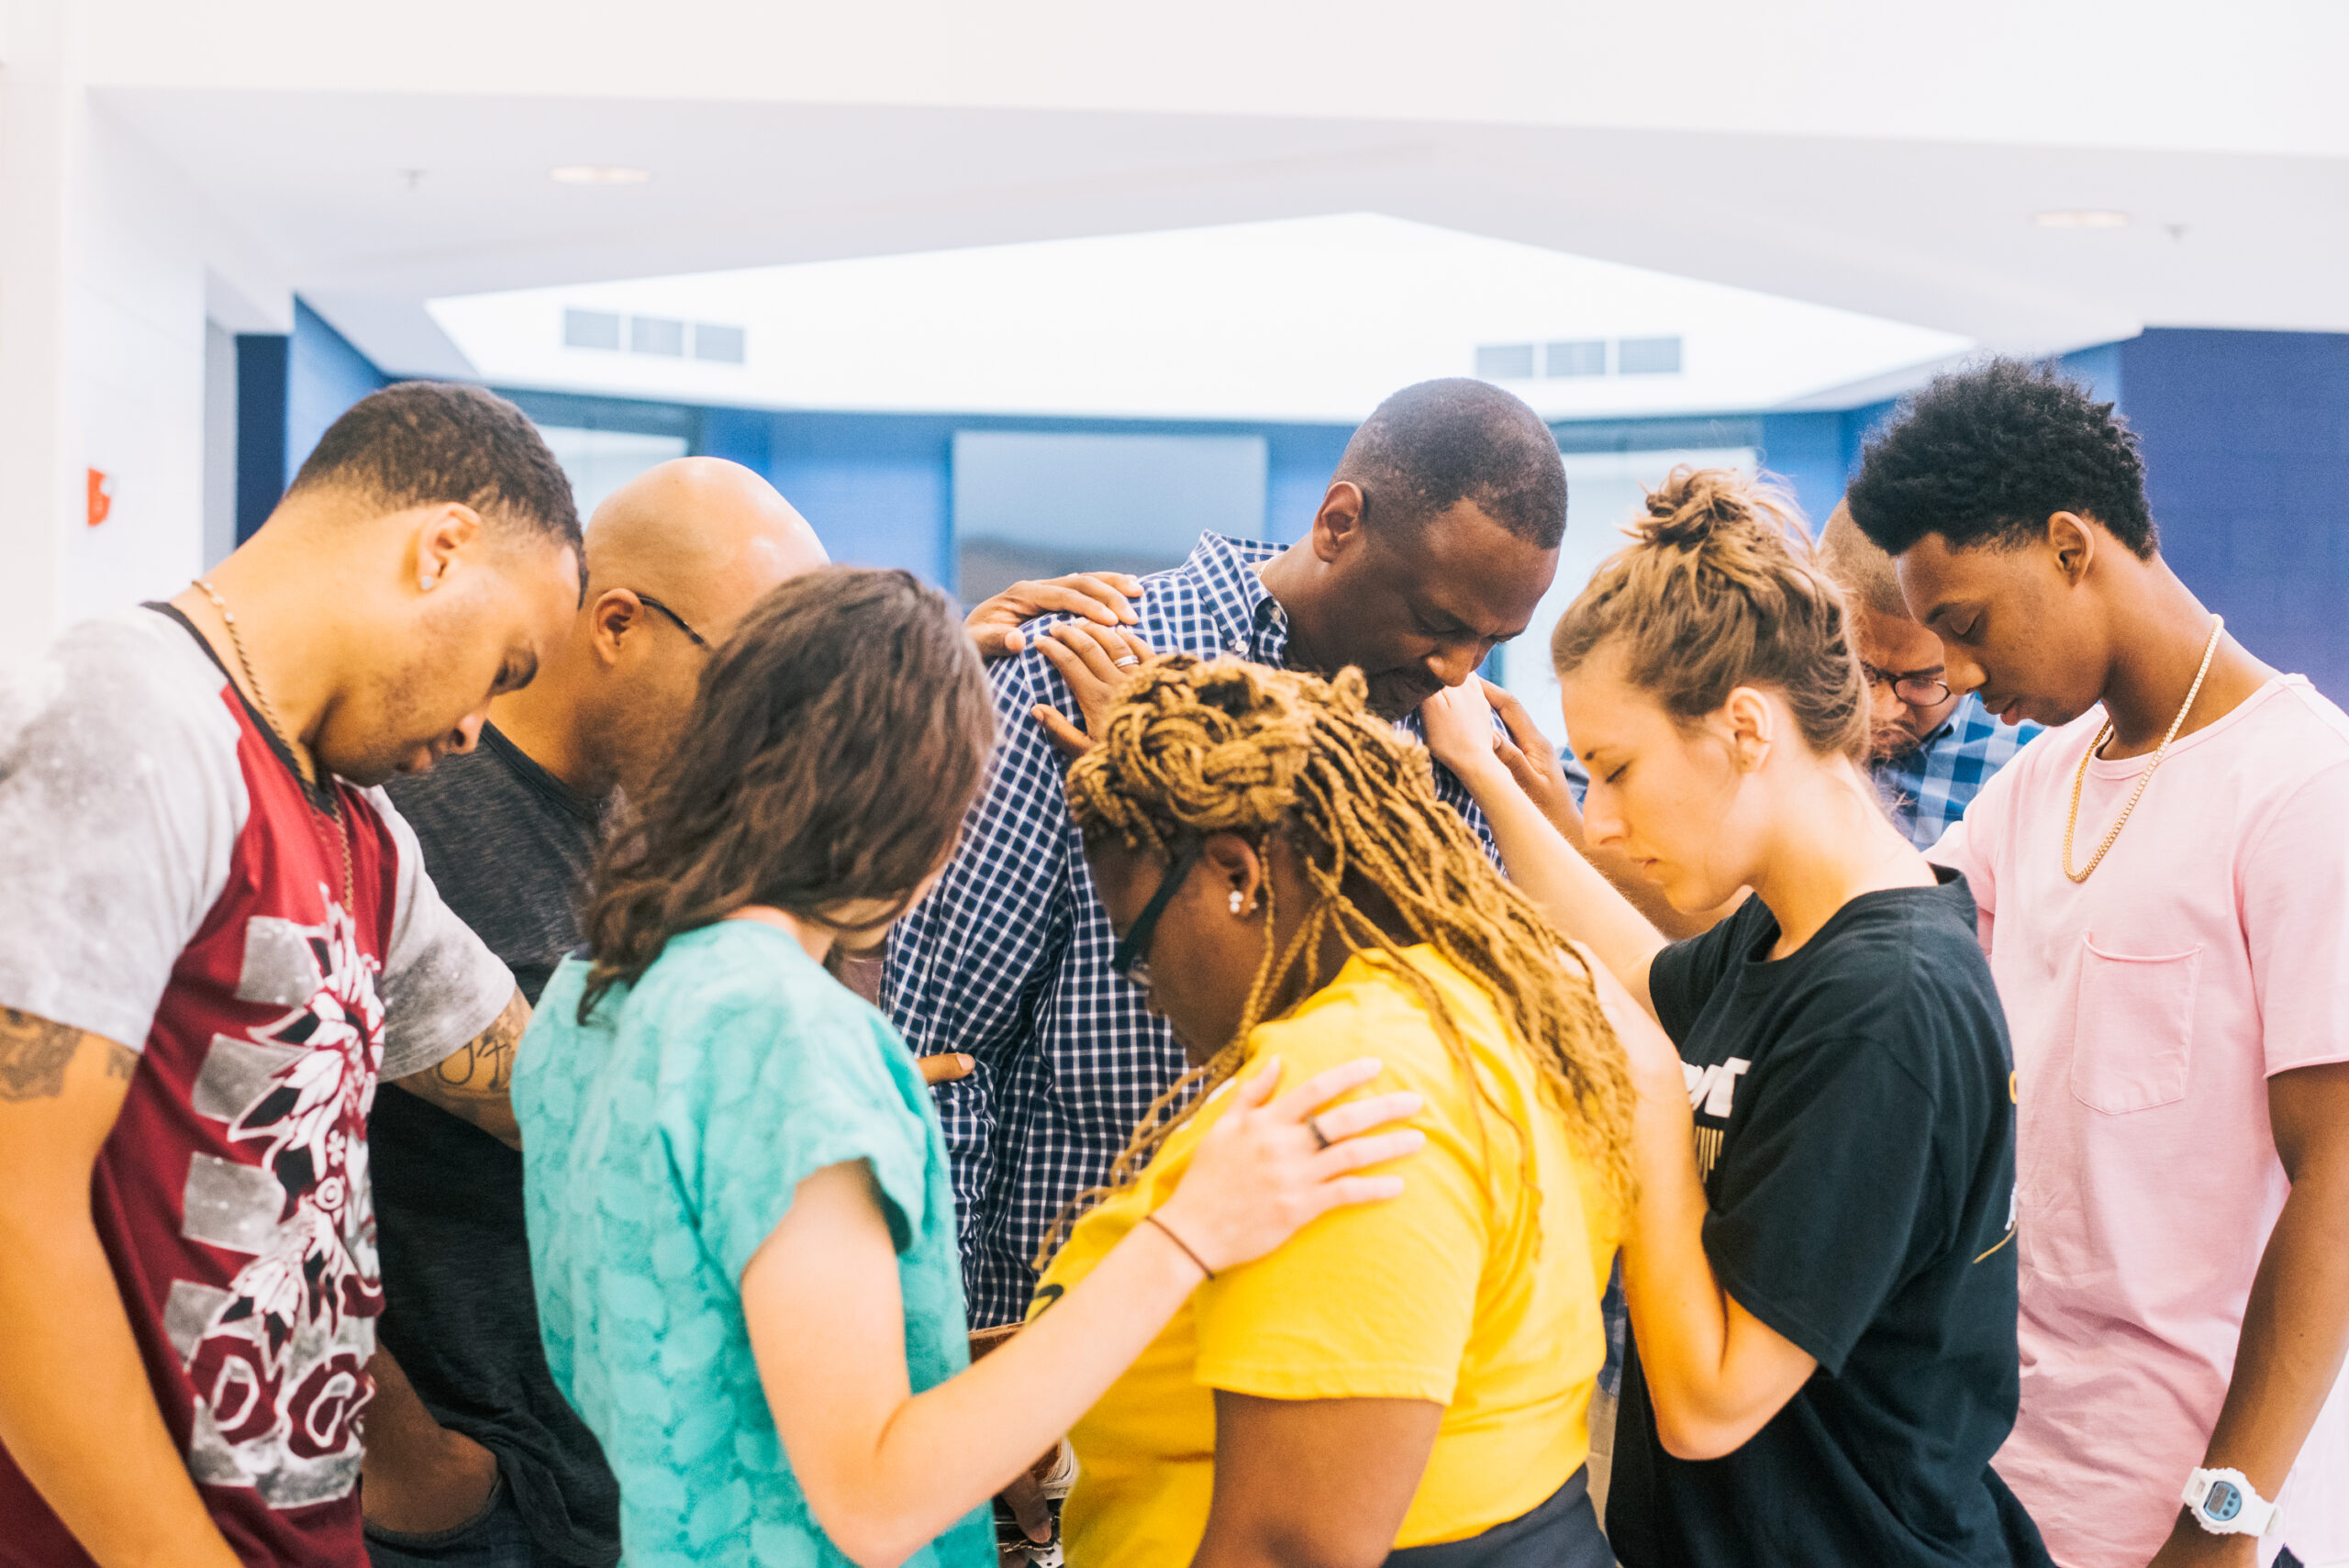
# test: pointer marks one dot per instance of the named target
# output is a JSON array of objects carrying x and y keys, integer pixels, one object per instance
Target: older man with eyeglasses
[{"x": 1934, "y": 750}]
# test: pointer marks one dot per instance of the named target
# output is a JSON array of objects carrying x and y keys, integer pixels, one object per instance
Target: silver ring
[
  {"x": 1127, "y": 663},
  {"x": 1313, "y": 1126}
]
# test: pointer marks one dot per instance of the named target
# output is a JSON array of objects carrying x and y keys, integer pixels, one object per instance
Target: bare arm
[
  {"x": 475, "y": 1082},
  {"x": 1716, "y": 1373},
  {"x": 1313, "y": 1483},
  {"x": 1577, "y": 898},
  {"x": 418, "y": 1475},
  {"x": 886, "y": 1470},
  {"x": 2295, "y": 1328},
  {"x": 76, "y": 1411}
]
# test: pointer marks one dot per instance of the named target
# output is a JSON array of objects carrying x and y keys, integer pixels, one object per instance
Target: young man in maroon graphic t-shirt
[{"x": 218, "y": 937}]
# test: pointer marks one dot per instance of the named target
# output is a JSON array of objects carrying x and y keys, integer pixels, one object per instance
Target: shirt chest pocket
[{"x": 2134, "y": 1035}]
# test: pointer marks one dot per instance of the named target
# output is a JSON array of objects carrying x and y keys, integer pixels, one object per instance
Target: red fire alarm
[{"x": 100, "y": 502}]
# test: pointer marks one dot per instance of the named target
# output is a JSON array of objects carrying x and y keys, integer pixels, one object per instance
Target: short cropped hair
[
  {"x": 1986, "y": 456},
  {"x": 421, "y": 443},
  {"x": 1436, "y": 444},
  {"x": 1862, "y": 570}
]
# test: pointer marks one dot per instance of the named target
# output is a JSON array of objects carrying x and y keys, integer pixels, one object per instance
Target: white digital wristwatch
[{"x": 2223, "y": 1502}]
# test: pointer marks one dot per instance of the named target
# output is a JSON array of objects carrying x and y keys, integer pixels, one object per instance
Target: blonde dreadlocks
[{"x": 1197, "y": 748}]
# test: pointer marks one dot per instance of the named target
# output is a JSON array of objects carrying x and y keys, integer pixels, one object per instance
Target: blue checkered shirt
[
  {"x": 1928, "y": 787},
  {"x": 1009, "y": 957}
]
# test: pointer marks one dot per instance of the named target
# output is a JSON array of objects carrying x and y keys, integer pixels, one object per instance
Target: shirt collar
[
  {"x": 1248, "y": 620},
  {"x": 1958, "y": 725}
]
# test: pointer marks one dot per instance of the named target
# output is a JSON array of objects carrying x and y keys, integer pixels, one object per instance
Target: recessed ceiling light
[
  {"x": 2081, "y": 218},
  {"x": 600, "y": 175}
]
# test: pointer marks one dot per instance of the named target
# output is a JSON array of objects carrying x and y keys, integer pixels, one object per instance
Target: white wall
[
  {"x": 104, "y": 253},
  {"x": 136, "y": 377},
  {"x": 41, "y": 158},
  {"x": 1605, "y": 492},
  {"x": 219, "y": 443}
]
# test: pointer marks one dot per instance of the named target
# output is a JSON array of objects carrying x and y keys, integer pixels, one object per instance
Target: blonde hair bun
[
  {"x": 1718, "y": 589},
  {"x": 1695, "y": 505}
]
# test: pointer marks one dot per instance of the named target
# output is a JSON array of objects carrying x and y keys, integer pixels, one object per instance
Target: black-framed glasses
[
  {"x": 1133, "y": 958},
  {"x": 699, "y": 641},
  {"x": 1916, "y": 690}
]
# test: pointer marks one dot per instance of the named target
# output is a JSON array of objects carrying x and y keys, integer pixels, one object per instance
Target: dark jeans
[
  {"x": 495, "y": 1538},
  {"x": 1561, "y": 1533}
]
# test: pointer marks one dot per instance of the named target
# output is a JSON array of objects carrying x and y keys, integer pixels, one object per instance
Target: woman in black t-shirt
[{"x": 1822, "y": 1302}]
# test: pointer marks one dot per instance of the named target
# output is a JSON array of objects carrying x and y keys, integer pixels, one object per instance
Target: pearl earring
[{"x": 1236, "y": 901}]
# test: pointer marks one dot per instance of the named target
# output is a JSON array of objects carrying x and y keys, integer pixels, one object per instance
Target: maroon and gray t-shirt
[{"x": 175, "y": 885}]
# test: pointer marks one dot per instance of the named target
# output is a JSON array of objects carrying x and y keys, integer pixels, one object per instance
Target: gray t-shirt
[{"x": 509, "y": 846}]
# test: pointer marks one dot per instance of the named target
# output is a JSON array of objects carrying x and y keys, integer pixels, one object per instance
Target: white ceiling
[
  {"x": 1296, "y": 319},
  {"x": 1882, "y": 160}
]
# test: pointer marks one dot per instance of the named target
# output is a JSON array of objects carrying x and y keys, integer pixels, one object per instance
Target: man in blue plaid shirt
[
  {"x": 1934, "y": 751},
  {"x": 1434, "y": 541}
]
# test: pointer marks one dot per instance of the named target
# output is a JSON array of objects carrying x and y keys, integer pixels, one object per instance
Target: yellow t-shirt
[{"x": 1456, "y": 1292}]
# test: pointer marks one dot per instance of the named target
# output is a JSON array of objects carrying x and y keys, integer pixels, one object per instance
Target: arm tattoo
[
  {"x": 34, "y": 1054},
  {"x": 485, "y": 1066},
  {"x": 472, "y": 1081}
]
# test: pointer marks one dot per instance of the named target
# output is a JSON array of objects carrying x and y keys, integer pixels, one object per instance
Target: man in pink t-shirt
[{"x": 2164, "y": 888}]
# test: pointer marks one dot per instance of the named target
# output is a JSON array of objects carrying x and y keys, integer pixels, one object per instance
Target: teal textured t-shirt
[{"x": 661, "y": 1144}]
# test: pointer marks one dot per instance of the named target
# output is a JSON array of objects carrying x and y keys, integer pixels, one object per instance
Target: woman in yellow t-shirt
[{"x": 1411, "y": 1376}]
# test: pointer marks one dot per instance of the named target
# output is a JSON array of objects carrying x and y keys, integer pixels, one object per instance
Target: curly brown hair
[
  {"x": 1197, "y": 748},
  {"x": 838, "y": 737}
]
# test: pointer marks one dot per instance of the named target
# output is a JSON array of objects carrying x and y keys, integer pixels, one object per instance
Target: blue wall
[
  {"x": 289, "y": 389},
  {"x": 324, "y": 376},
  {"x": 2246, "y": 443},
  {"x": 262, "y": 359},
  {"x": 879, "y": 487},
  {"x": 2245, "y": 437}
]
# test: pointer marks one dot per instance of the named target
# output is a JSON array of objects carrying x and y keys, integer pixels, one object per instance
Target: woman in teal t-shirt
[{"x": 741, "y": 1232}]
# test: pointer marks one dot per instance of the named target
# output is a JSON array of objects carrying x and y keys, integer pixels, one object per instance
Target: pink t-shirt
[{"x": 2149, "y": 1007}]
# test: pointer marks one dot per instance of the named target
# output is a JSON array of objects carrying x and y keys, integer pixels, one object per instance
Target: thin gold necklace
[
  {"x": 2071, "y": 822},
  {"x": 268, "y": 716}
]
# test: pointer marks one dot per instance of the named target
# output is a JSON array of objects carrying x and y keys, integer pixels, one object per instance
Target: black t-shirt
[
  {"x": 508, "y": 847},
  {"x": 1855, "y": 1117}
]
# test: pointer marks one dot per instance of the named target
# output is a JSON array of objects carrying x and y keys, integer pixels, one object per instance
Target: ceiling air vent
[
  {"x": 591, "y": 329},
  {"x": 1583, "y": 357},
  {"x": 1505, "y": 362},
  {"x": 721, "y": 344},
  {"x": 656, "y": 335},
  {"x": 1648, "y": 356}
]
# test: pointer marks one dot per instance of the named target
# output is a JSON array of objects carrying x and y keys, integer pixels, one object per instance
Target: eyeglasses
[
  {"x": 699, "y": 641},
  {"x": 1917, "y": 691},
  {"x": 1133, "y": 958}
]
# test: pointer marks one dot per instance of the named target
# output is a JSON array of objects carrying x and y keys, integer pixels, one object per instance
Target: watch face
[{"x": 2223, "y": 1503}]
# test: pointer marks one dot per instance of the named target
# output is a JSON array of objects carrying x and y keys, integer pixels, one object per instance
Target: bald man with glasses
[
  {"x": 472, "y": 1457},
  {"x": 1933, "y": 750}
]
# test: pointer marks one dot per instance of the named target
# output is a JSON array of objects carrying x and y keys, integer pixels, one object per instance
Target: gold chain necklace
[
  {"x": 2072, "y": 821},
  {"x": 268, "y": 716}
]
